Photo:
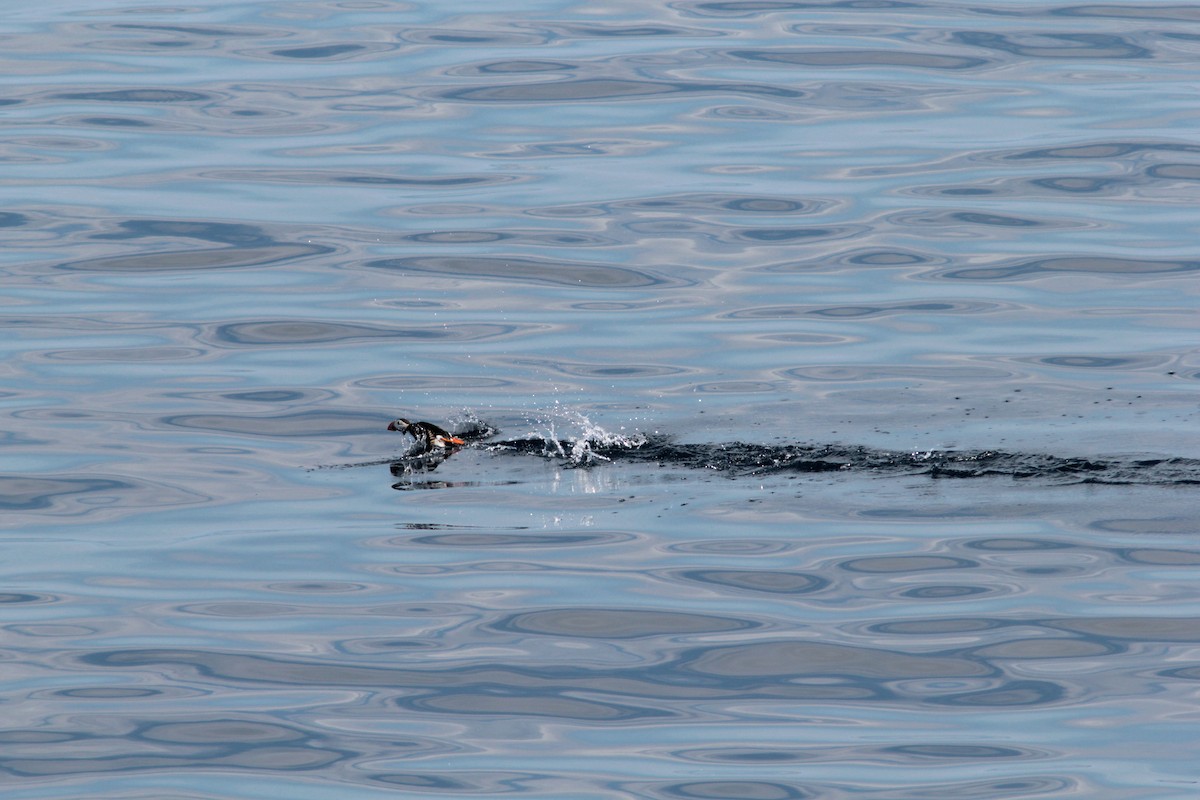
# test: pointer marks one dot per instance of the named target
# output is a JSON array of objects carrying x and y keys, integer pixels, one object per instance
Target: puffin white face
[{"x": 401, "y": 425}]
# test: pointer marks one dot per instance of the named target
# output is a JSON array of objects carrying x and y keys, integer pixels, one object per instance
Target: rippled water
[{"x": 828, "y": 369}]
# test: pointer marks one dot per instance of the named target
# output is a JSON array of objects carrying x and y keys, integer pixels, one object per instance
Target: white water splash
[
  {"x": 468, "y": 423},
  {"x": 570, "y": 434}
]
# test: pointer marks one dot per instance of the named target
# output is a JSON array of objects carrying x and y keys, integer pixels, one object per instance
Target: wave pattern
[{"x": 241, "y": 237}]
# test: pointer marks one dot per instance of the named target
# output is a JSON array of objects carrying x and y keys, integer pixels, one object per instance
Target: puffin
[{"x": 430, "y": 436}]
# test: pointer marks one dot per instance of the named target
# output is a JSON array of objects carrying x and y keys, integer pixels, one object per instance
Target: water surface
[{"x": 829, "y": 369}]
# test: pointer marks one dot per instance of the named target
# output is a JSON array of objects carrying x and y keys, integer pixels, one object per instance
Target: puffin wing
[{"x": 434, "y": 430}]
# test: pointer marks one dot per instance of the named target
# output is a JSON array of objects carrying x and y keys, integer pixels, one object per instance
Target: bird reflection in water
[{"x": 411, "y": 471}]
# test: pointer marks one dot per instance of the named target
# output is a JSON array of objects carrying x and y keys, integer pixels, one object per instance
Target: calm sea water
[{"x": 829, "y": 369}]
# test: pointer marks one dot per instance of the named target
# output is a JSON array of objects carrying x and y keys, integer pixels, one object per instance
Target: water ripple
[
  {"x": 1054, "y": 45},
  {"x": 294, "y": 332},
  {"x": 1089, "y": 265},
  {"x": 81, "y": 495},
  {"x": 613, "y": 623},
  {"x": 863, "y": 312},
  {"x": 592, "y": 89},
  {"x": 240, "y": 238},
  {"x": 229, "y": 743},
  {"x": 528, "y": 270},
  {"x": 209, "y": 258},
  {"x": 304, "y": 424},
  {"x": 139, "y": 95},
  {"x": 762, "y": 670},
  {"x": 383, "y": 179},
  {"x": 858, "y": 58},
  {"x": 769, "y": 581}
]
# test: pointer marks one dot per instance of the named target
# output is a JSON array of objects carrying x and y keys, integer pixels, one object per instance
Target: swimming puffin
[{"x": 426, "y": 433}]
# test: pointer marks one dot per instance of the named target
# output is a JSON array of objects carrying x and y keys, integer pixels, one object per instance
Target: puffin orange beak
[{"x": 392, "y": 426}]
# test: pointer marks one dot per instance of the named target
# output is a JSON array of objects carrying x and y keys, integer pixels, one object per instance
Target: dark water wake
[
  {"x": 745, "y": 459},
  {"x": 739, "y": 459}
]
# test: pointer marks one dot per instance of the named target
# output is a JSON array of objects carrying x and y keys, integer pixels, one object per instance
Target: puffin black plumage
[{"x": 430, "y": 436}]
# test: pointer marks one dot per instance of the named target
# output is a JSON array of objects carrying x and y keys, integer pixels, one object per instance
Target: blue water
[{"x": 829, "y": 371}]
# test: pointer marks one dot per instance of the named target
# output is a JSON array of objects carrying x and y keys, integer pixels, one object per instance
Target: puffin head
[{"x": 401, "y": 425}]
